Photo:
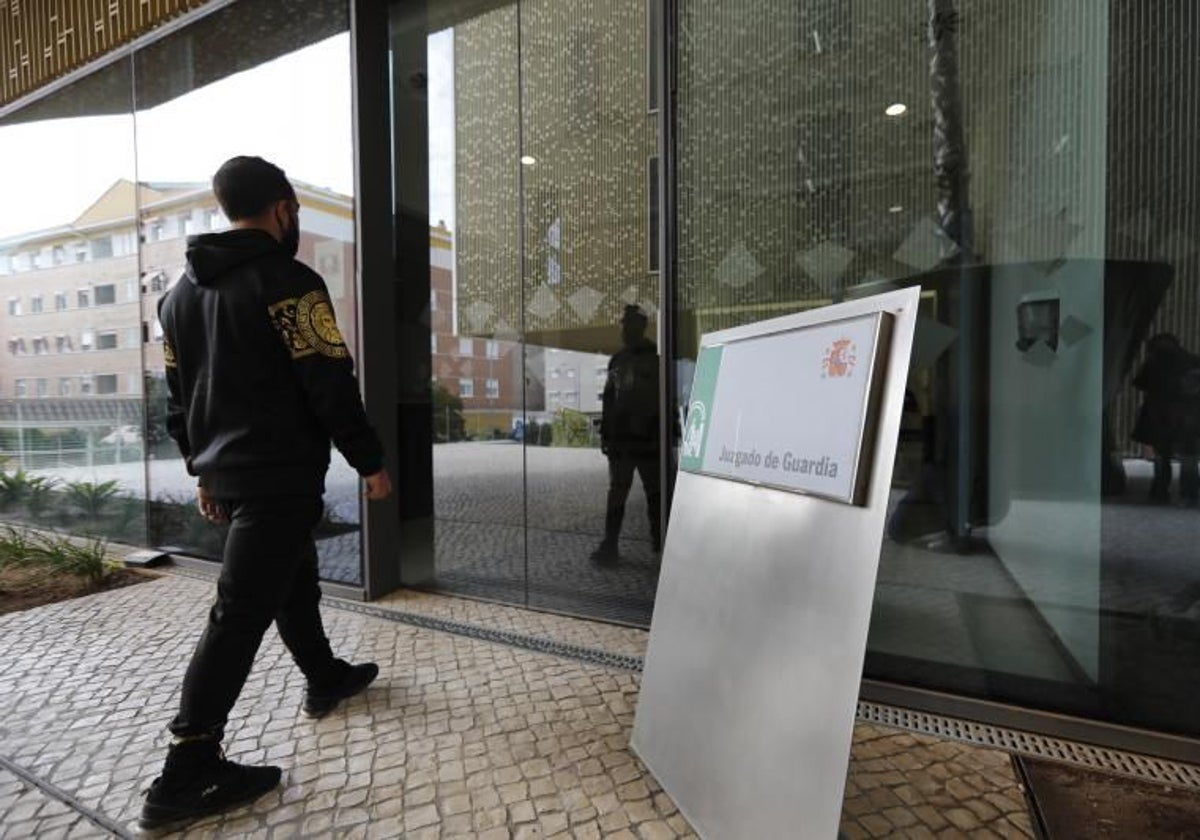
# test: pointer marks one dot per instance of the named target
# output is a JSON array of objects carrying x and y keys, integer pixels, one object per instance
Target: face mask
[{"x": 291, "y": 236}]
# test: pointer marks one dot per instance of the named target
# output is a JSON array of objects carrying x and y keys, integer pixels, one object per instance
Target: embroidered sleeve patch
[
  {"x": 168, "y": 354},
  {"x": 307, "y": 325}
]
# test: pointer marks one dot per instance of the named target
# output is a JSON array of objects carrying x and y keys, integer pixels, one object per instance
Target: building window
[
  {"x": 132, "y": 337},
  {"x": 106, "y": 341},
  {"x": 493, "y": 389},
  {"x": 466, "y": 387},
  {"x": 43, "y": 388},
  {"x": 20, "y": 388},
  {"x": 60, "y": 302},
  {"x": 83, "y": 298},
  {"x": 158, "y": 330},
  {"x": 41, "y": 347},
  {"x": 131, "y": 290},
  {"x": 86, "y": 340},
  {"x": 14, "y": 306},
  {"x": 493, "y": 349},
  {"x": 158, "y": 283},
  {"x": 102, "y": 248},
  {"x": 64, "y": 387},
  {"x": 106, "y": 383},
  {"x": 35, "y": 304},
  {"x": 63, "y": 344},
  {"x": 466, "y": 346},
  {"x": 106, "y": 294},
  {"x": 652, "y": 215},
  {"x": 85, "y": 385},
  {"x": 433, "y": 343},
  {"x": 14, "y": 346},
  {"x": 432, "y": 300}
]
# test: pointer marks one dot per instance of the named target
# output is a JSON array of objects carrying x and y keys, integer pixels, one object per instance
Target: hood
[{"x": 211, "y": 255}]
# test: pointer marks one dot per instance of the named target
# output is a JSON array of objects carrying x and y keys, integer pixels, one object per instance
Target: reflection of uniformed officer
[
  {"x": 629, "y": 430},
  {"x": 261, "y": 383}
]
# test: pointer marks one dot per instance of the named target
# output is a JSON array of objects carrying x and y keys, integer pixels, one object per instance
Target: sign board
[
  {"x": 751, "y": 678},
  {"x": 793, "y": 409}
]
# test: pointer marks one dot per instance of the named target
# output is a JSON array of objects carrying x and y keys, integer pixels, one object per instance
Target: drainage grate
[
  {"x": 537, "y": 644},
  {"x": 1153, "y": 769},
  {"x": 1145, "y": 767}
]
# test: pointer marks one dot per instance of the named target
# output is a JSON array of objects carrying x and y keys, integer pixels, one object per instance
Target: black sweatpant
[{"x": 269, "y": 573}]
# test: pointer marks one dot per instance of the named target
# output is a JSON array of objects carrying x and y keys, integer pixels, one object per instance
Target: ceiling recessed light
[
  {"x": 528, "y": 160},
  {"x": 895, "y": 208},
  {"x": 895, "y": 109}
]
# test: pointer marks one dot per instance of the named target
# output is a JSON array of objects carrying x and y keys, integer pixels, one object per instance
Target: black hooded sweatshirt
[{"x": 260, "y": 378}]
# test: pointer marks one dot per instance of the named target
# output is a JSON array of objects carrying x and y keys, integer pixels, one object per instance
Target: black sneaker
[
  {"x": 190, "y": 789},
  {"x": 319, "y": 702},
  {"x": 606, "y": 554}
]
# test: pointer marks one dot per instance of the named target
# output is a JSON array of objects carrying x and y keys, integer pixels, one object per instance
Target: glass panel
[
  {"x": 593, "y": 492},
  {"x": 262, "y": 79},
  {"x": 541, "y": 152},
  {"x": 71, "y": 420},
  {"x": 478, "y": 461},
  {"x": 1036, "y": 174}
]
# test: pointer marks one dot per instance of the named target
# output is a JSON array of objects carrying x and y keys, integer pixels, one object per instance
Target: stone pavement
[{"x": 458, "y": 738}]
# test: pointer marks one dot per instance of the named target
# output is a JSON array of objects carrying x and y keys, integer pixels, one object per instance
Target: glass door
[{"x": 541, "y": 144}]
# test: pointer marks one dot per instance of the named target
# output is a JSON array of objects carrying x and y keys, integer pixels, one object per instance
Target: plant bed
[
  {"x": 23, "y": 588},
  {"x": 38, "y": 569}
]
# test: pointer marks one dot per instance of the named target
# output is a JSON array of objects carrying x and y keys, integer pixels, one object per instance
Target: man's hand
[
  {"x": 209, "y": 508},
  {"x": 379, "y": 486}
]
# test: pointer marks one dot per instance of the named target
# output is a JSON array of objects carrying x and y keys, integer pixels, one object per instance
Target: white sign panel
[
  {"x": 791, "y": 409},
  {"x": 746, "y": 709}
]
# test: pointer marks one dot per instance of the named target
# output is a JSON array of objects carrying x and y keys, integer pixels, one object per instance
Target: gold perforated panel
[{"x": 41, "y": 40}]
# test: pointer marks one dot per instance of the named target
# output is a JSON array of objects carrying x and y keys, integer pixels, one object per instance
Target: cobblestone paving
[
  {"x": 459, "y": 738},
  {"x": 27, "y": 812}
]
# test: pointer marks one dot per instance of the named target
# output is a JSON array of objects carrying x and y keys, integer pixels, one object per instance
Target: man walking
[{"x": 260, "y": 383}]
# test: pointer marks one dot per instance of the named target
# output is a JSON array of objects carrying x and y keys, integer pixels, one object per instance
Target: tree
[{"x": 448, "y": 422}]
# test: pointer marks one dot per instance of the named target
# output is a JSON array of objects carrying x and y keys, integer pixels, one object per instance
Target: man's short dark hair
[{"x": 246, "y": 186}]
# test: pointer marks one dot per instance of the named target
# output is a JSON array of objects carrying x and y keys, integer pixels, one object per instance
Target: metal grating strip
[
  {"x": 537, "y": 644},
  {"x": 1144, "y": 767},
  {"x": 1137, "y": 766}
]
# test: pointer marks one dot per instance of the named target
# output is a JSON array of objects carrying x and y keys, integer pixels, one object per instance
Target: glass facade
[
  {"x": 119, "y": 180},
  {"x": 581, "y": 191},
  {"x": 1033, "y": 169},
  {"x": 539, "y": 137}
]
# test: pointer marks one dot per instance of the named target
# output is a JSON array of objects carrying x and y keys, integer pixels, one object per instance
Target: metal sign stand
[{"x": 751, "y": 678}]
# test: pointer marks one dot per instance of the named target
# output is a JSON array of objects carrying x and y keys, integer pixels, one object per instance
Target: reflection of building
[
  {"x": 556, "y": 234},
  {"x": 485, "y": 373},
  {"x": 575, "y": 380},
  {"x": 78, "y": 317}
]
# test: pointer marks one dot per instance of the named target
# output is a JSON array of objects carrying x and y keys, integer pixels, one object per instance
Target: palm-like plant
[{"x": 92, "y": 497}]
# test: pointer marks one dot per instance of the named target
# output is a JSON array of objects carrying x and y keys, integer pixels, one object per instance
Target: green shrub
[
  {"x": 14, "y": 487},
  {"x": 56, "y": 553},
  {"x": 92, "y": 498}
]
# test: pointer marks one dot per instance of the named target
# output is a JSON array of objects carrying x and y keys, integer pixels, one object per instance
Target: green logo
[{"x": 700, "y": 409}]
